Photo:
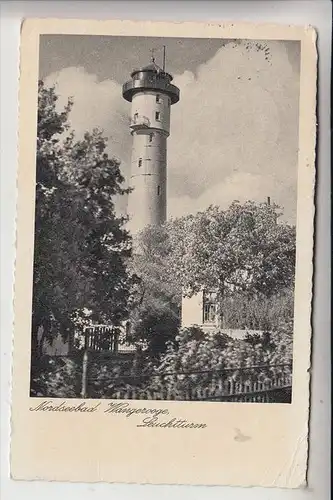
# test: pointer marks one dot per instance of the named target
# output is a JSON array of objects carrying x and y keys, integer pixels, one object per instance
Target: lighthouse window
[
  {"x": 151, "y": 137},
  {"x": 140, "y": 162},
  {"x": 157, "y": 115},
  {"x": 158, "y": 190},
  {"x": 157, "y": 98}
]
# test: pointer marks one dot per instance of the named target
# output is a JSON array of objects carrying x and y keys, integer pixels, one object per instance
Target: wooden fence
[
  {"x": 266, "y": 384},
  {"x": 106, "y": 339},
  {"x": 254, "y": 392}
]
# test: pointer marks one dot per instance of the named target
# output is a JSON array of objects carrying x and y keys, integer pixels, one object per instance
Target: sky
[{"x": 234, "y": 132}]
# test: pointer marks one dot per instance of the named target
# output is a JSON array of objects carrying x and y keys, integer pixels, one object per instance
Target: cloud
[
  {"x": 239, "y": 186},
  {"x": 234, "y": 133},
  {"x": 96, "y": 105},
  {"x": 238, "y": 123}
]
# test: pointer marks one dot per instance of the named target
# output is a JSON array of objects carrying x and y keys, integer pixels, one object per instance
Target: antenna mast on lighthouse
[{"x": 163, "y": 58}]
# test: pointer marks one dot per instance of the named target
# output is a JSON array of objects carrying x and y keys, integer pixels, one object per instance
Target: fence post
[{"x": 84, "y": 374}]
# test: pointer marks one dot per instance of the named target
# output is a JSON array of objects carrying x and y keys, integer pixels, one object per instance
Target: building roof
[
  {"x": 150, "y": 77},
  {"x": 152, "y": 67}
]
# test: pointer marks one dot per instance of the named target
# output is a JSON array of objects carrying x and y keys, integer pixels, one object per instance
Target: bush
[
  {"x": 194, "y": 360},
  {"x": 200, "y": 359},
  {"x": 56, "y": 377},
  {"x": 258, "y": 312}
]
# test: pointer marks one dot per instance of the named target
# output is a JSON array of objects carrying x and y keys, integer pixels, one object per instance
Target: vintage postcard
[{"x": 164, "y": 253}]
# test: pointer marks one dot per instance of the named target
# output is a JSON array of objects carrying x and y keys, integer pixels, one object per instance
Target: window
[
  {"x": 158, "y": 98},
  {"x": 209, "y": 307},
  {"x": 157, "y": 116},
  {"x": 209, "y": 313},
  {"x": 136, "y": 115},
  {"x": 158, "y": 190},
  {"x": 151, "y": 137},
  {"x": 140, "y": 162}
]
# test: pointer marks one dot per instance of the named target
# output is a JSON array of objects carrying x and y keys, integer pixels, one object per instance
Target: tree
[
  {"x": 239, "y": 252},
  {"x": 81, "y": 246},
  {"x": 156, "y": 295},
  {"x": 258, "y": 312}
]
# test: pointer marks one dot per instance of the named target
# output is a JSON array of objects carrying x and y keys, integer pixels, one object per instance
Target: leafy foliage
[
  {"x": 197, "y": 362},
  {"x": 81, "y": 246},
  {"x": 241, "y": 252},
  {"x": 257, "y": 312},
  {"x": 107, "y": 377},
  {"x": 156, "y": 295},
  {"x": 239, "y": 249},
  {"x": 56, "y": 377}
]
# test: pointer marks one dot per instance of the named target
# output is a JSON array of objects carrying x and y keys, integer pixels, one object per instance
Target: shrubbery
[
  {"x": 56, "y": 377},
  {"x": 194, "y": 360},
  {"x": 208, "y": 357}
]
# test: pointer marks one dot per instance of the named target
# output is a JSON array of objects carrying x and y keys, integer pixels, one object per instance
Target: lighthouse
[{"x": 151, "y": 95}]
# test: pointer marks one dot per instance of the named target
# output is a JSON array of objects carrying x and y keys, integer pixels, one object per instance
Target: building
[
  {"x": 151, "y": 94},
  {"x": 201, "y": 310}
]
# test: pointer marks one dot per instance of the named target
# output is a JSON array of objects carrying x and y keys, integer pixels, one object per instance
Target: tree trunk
[
  {"x": 36, "y": 345},
  {"x": 41, "y": 342}
]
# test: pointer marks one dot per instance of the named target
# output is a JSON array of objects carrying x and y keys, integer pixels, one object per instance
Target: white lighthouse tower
[{"x": 151, "y": 93}]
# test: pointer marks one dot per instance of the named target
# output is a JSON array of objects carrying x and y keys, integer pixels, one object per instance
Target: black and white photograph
[
  {"x": 163, "y": 278},
  {"x": 165, "y": 218}
]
